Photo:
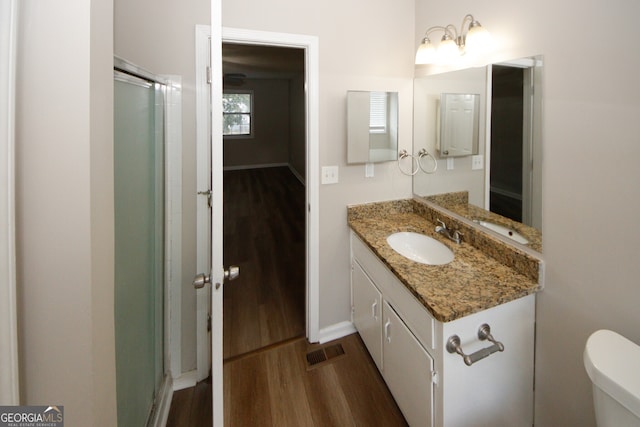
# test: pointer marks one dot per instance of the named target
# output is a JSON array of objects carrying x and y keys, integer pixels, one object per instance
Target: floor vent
[
  {"x": 319, "y": 357},
  {"x": 316, "y": 357}
]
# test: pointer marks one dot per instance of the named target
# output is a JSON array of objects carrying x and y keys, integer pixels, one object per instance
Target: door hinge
[
  {"x": 208, "y": 194},
  {"x": 208, "y": 75},
  {"x": 208, "y": 323},
  {"x": 435, "y": 378}
]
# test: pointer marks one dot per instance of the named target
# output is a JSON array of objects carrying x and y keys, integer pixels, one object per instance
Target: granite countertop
[
  {"x": 472, "y": 282},
  {"x": 458, "y": 202}
]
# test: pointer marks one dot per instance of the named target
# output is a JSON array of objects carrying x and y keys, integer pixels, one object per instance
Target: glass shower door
[{"x": 139, "y": 246}]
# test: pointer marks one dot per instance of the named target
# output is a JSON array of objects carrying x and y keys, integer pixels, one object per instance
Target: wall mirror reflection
[
  {"x": 457, "y": 120},
  {"x": 372, "y": 127},
  {"x": 500, "y": 187}
]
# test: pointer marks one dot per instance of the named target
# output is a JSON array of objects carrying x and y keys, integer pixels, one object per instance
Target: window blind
[{"x": 378, "y": 112}]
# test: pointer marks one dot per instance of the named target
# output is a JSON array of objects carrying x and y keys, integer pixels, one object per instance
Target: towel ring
[
  {"x": 402, "y": 154},
  {"x": 424, "y": 153}
]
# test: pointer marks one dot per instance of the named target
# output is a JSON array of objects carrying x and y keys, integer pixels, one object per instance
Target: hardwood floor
[
  {"x": 267, "y": 380},
  {"x": 191, "y": 407},
  {"x": 264, "y": 234},
  {"x": 277, "y": 387}
]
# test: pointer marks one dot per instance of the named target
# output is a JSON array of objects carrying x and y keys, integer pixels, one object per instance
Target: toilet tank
[{"x": 613, "y": 365}]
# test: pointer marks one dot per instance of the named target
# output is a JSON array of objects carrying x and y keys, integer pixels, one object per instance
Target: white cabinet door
[
  {"x": 367, "y": 312},
  {"x": 407, "y": 370}
]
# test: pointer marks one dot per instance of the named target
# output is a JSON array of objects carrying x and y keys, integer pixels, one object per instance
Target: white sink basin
[
  {"x": 420, "y": 248},
  {"x": 505, "y": 231}
]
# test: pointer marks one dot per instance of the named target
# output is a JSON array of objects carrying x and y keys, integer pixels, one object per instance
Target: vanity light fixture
[{"x": 472, "y": 38}]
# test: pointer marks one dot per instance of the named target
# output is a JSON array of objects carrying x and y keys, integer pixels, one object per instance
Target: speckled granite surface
[
  {"x": 474, "y": 281},
  {"x": 459, "y": 203}
]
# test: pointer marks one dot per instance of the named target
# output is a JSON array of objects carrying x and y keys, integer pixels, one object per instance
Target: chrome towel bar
[{"x": 484, "y": 333}]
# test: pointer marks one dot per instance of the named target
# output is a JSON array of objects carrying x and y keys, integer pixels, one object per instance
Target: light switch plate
[
  {"x": 330, "y": 174},
  {"x": 477, "y": 162},
  {"x": 449, "y": 163},
  {"x": 368, "y": 170}
]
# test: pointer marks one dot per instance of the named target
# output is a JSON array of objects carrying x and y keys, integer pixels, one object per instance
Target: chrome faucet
[{"x": 454, "y": 235}]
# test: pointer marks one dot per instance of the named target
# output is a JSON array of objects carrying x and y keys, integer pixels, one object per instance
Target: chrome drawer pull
[{"x": 484, "y": 333}]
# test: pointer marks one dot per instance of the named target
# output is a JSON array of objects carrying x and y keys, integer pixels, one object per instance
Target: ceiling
[{"x": 261, "y": 62}]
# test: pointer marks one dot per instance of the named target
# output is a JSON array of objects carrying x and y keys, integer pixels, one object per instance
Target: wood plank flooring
[
  {"x": 276, "y": 387},
  {"x": 191, "y": 407},
  {"x": 266, "y": 378},
  {"x": 264, "y": 234}
]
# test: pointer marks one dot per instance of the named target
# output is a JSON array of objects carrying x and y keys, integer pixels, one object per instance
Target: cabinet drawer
[{"x": 414, "y": 314}]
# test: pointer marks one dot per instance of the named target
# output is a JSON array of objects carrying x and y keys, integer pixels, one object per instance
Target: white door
[
  {"x": 218, "y": 273},
  {"x": 217, "y": 270}
]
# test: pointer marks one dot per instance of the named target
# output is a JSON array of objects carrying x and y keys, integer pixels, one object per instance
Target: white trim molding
[
  {"x": 186, "y": 380},
  {"x": 9, "y": 378},
  {"x": 336, "y": 331}
]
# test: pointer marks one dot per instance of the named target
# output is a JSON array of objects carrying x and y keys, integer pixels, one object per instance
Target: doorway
[
  {"x": 306, "y": 167},
  {"x": 210, "y": 178},
  {"x": 511, "y": 141},
  {"x": 264, "y": 195}
]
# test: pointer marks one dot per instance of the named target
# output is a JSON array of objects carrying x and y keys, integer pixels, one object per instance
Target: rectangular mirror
[
  {"x": 457, "y": 119},
  {"x": 504, "y": 186},
  {"x": 372, "y": 127}
]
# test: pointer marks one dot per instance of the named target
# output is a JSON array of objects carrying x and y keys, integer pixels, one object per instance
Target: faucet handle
[{"x": 442, "y": 223}]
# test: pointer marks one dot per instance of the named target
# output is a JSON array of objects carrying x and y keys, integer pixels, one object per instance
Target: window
[
  {"x": 237, "y": 114},
  {"x": 377, "y": 112}
]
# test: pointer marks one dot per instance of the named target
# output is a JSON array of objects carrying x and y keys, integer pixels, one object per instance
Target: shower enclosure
[{"x": 139, "y": 161}]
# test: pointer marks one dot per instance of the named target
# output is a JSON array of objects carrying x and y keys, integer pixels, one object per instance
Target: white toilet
[{"x": 613, "y": 364}]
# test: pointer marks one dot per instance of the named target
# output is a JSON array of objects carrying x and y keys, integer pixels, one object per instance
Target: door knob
[
  {"x": 232, "y": 272},
  {"x": 201, "y": 280}
]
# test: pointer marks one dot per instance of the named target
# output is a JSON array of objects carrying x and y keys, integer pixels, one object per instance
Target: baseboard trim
[
  {"x": 296, "y": 174},
  {"x": 336, "y": 331},
  {"x": 258, "y": 166},
  {"x": 162, "y": 405},
  {"x": 186, "y": 380}
]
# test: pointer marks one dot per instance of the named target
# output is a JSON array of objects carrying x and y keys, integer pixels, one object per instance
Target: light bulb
[
  {"x": 447, "y": 49},
  {"x": 478, "y": 39},
  {"x": 426, "y": 53}
]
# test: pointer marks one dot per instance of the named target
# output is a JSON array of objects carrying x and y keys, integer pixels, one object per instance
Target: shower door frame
[{"x": 172, "y": 257}]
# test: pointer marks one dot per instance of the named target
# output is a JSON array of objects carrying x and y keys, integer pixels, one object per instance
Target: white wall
[
  {"x": 64, "y": 215},
  {"x": 591, "y": 182},
  {"x": 364, "y": 45},
  {"x": 159, "y": 35}
]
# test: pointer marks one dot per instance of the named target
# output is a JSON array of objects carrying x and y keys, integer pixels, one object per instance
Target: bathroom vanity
[{"x": 418, "y": 321}]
